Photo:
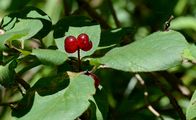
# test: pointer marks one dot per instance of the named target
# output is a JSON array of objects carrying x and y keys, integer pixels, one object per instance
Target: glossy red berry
[
  {"x": 84, "y": 43},
  {"x": 95, "y": 78},
  {"x": 88, "y": 47},
  {"x": 70, "y": 44}
]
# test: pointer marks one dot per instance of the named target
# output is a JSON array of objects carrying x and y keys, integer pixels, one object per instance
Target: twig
[
  {"x": 114, "y": 14},
  {"x": 79, "y": 61},
  {"x": 167, "y": 23},
  {"x": 191, "y": 61},
  {"x": 8, "y": 104},
  {"x": 149, "y": 106},
  {"x": 67, "y": 8},
  {"x": 93, "y": 13},
  {"x": 172, "y": 99},
  {"x": 21, "y": 91},
  {"x": 175, "y": 83},
  {"x": 152, "y": 103},
  {"x": 24, "y": 84}
]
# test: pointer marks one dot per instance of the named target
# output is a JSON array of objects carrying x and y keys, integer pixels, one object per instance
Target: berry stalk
[{"x": 79, "y": 60}]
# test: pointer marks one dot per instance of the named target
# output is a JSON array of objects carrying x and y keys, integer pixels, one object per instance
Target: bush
[{"x": 110, "y": 72}]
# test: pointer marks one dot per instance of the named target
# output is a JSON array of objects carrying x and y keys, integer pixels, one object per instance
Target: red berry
[
  {"x": 83, "y": 42},
  {"x": 88, "y": 47},
  {"x": 96, "y": 79},
  {"x": 70, "y": 44}
]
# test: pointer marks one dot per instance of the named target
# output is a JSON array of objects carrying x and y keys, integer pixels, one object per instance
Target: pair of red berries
[{"x": 71, "y": 44}]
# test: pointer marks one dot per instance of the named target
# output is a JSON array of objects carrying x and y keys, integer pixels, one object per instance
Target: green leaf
[
  {"x": 190, "y": 53},
  {"x": 52, "y": 84},
  {"x": 95, "y": 112},
  {"x": 25, "y": 104},
  {"x": 8, "y": 37},
  {"x": 68, "y": 104},
  {"x": 191, "y": 110},
  {"x": 31, "y": 29},
  {"x": 47, "y": 56},
  {"x": 99, "y": 105},
  {"x": 92, "y": 31},
  {"x": 8, "y": 22},
  {"x": 21, "y": 31},
  {"x": 185, "y": 22},
  {"x": 158, "y": 51},
  {"x": 28, "y": 13},
  {"x": 7, "y": 74},
  {"x": 24, "y": 52},
  {"x": 193, "y": 50}
]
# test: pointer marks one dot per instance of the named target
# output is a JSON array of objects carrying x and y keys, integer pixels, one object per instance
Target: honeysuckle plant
[{"x": 71, "y": 89}]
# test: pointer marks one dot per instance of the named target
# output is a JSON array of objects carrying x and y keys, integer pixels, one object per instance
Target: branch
[
  {"x": 24, "y": 84},
  {"x": 172, "y": 99},
  {"x": 114, "y": 13},
  {"x": 67, "y": 8},
  {"x": 83, "y": 4},
  {"x": 176, "y": 83},
  {"x": 149, "y": 106},
  {"x": 167, "y": 23},
  {"x": 10, "y": 104}
]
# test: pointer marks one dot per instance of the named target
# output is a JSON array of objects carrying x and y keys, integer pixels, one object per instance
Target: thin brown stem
[
  {"x": 24, "y": 84},
  {"x": 176, "y": 83},
  {"x": 172, "y": 99},
  {"x": 167, "y": 23},
  {"x": 114, "y": 13},
  {"x": 8, "y": 104},
  {"x": 67, "y": 8},
  {"x": 83, "y": 4},
  {"x": 149, "y": 106},
  {"x": 20, "y": 90},
  {"x": 79, "y": 60}
]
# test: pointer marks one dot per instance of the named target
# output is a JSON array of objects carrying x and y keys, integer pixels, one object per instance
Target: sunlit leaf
[
  {"x": 191, "y": 110},
  {"x": 47, "y": 56},
  {"x": 158, "y": 51},
  {"x": 185, "y": 22},
  {"x": 7, "y": 74},
  {"x": 67, "y": 104},
  {"x": 21, "y": 31}
]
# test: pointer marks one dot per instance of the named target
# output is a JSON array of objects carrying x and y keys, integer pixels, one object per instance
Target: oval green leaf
[
  {"x": 7, "y": 74},
  {"x": 51, "y": 57},
  {"x": 186, "y": 22},
  {"x": 21, "y": 31},
  {"x": 67, "y": 104},
  {"x": 191, "y": 110},
  {"x": 158, "y": 51}
]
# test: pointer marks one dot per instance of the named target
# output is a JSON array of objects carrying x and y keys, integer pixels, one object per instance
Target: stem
[
  {"x": 79, "y": 60},
  {"x": 67, "y": 8},
  {"x": 84, "y": 5},
  {"x": 172, "y": 99},
  {"x": 114, "y": 14},
  {"x": 167, "y": 23},
  {"x": 20, "y": 90},
  {"x": 149, "y": 106},
  {"x": 176, "y": 83},
  {"x": 10, "y": 104},
  {"x": 24, "y": 84}
]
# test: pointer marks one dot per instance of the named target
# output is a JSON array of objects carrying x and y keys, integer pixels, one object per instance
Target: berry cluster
[{"x": 72, "y": 44}]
